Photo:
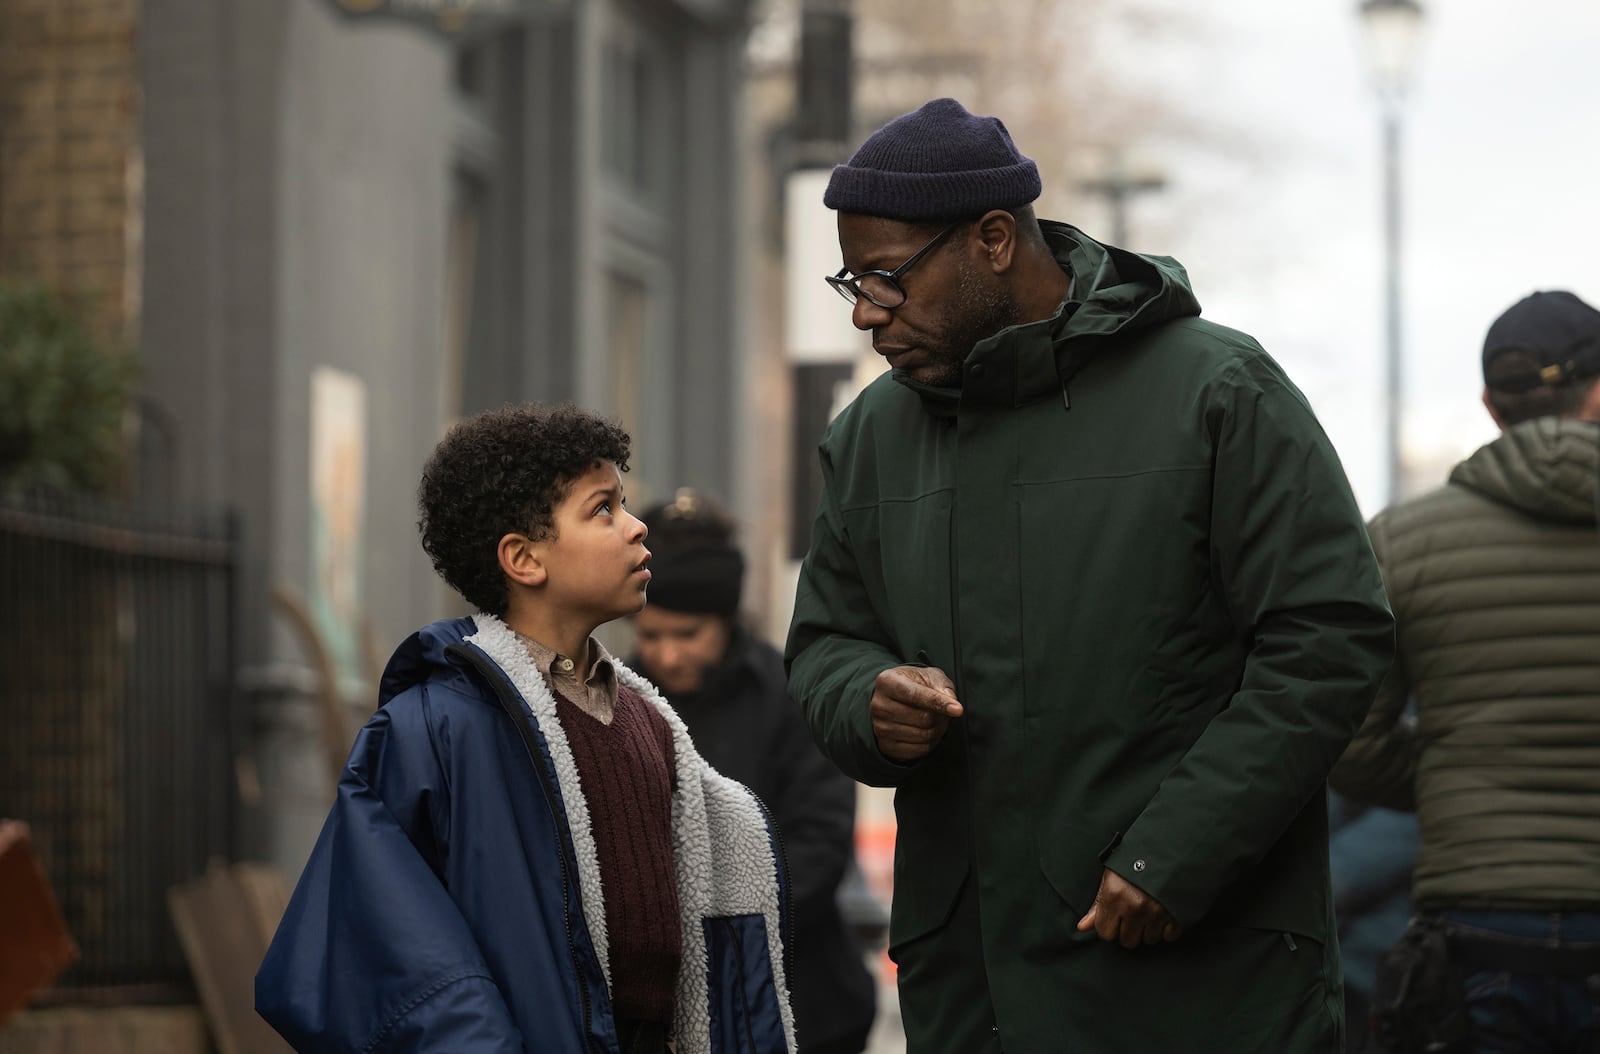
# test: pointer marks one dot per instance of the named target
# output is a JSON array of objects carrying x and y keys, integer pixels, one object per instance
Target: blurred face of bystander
[{"x": 678, "y": 648}]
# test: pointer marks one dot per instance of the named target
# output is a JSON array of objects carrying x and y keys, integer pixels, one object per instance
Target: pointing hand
[{"x": 911, "y": 709}]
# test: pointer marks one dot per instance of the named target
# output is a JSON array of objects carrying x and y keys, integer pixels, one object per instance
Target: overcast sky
[{"x": 1281, "y": 227}]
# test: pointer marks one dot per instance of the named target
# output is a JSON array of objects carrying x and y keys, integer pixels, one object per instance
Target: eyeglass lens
[{"x": 877, "y": 288}]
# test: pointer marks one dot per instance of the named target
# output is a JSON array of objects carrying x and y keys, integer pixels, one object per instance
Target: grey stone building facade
[{"x": 355, "y": 230}]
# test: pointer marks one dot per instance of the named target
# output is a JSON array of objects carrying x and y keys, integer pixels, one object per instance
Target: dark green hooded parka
[{"x": 1127, "y": 540}]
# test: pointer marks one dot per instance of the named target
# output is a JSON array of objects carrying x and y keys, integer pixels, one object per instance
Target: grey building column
[
  {"x": 712, "y": 285},
  {"x": 210, "y": 78},
  {"x": 555, "y": 237},
  {"x": 210, "y": 75},
  {"x": 824, "y": 91}
]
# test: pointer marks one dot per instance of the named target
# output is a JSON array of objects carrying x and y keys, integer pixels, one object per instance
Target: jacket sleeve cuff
[
  {"x": 851, "y": 743},
  {"x": 1157, "y": 875}
]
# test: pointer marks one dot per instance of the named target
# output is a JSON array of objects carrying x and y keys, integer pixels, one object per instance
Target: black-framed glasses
[{"x": 882, "y": 287}]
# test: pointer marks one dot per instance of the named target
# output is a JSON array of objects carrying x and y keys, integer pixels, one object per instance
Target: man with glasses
[{"x": 1088, "y": 587}]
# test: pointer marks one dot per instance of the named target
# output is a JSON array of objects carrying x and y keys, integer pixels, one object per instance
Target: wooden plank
[
  {"x": 107, "y": 1030},
  {"x": 34, "y": 944},
  {"x": 266, "y": 895},
  {"x": 220, "y": 926}
]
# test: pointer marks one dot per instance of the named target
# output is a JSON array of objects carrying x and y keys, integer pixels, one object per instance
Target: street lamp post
[
  {"x": 1392, "y": 28},
  {"x": 1116, "y": 185}
]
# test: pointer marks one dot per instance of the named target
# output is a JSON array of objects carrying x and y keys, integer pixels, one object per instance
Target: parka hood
[
  {"x": 1546, "y": 467},
  {"x": 1118, "y": 290},
  {"x": 1114, "y": 292},
  {"x": 420, "y": 654}
]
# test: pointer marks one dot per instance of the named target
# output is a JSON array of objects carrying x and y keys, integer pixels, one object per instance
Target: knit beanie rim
[{"x": 937, "y": 162}]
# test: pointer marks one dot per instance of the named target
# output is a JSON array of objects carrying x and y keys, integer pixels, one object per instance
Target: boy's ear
[{"x": 521, "y": 559}]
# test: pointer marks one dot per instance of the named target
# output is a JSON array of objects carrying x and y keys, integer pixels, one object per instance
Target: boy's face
[{"x": 596, "y": 562}]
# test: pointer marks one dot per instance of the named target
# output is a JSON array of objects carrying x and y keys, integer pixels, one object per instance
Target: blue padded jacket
[{"x": 453, "y": 900}]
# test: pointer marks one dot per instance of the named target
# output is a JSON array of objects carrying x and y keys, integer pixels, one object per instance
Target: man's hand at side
[
  {"x": 1124, "y": 913},
  {"x": 911, "y": 709}
]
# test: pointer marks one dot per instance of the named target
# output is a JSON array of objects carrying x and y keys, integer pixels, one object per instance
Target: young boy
[{"x": 527, "y": 854}]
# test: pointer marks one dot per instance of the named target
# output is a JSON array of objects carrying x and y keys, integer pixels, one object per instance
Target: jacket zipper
[
  {"x": 520, "y": 718},
  {"x": 786, "y": 894},
  {"x": 955, "y": 662},
  {"x": 955, "y": 605}
]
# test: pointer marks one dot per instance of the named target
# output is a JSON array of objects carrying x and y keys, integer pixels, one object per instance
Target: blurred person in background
[
  {"x": 729, "y": 689},
  {"x": 1371, "y": 852},
  {"x": 1087, "y": 585},
  {"x": 1495, "y": 582}
]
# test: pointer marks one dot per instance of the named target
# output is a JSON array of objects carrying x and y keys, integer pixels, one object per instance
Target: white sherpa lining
[
  {"x": 725, "y": 867},
  {"x": 723, "y": 853},
  {"x": 497, "y": 640}
]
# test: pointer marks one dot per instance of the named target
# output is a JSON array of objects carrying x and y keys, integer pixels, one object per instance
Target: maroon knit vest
[{"x": 626, "y": 770}]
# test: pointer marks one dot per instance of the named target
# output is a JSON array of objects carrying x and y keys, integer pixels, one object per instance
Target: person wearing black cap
[
  {"x": 728, "y": 686},
  {"x": 1087, "y": 584},
  {"x": 1495, "y": 582}
]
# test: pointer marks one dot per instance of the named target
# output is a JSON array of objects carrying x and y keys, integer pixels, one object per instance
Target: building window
[
  {"x": 628, "y": 92},
  {"x": 463, "y": 284},
  {"x": 627, "y": 312}
]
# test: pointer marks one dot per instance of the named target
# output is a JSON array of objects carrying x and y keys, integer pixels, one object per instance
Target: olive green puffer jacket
[{"x": 1495, "y": 584}]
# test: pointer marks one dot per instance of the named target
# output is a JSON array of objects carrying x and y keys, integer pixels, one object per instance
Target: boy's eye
[{"x": 605, "y": 506}]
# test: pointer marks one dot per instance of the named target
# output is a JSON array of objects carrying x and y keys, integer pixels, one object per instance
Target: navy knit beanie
[
  {"x": 937, "y": 163},
  {"x": 694, "y": 566}
]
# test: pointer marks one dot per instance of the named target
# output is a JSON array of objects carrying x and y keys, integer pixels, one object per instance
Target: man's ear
[
  {"x": 997, "y": 230},
  {"x": 522, "y": 560},
  {"x": 1591, "y": 405},
  {"x": 1488, "y": 404}
]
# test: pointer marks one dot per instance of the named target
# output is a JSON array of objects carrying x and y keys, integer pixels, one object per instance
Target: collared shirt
[{"x": 596, "y": 695}]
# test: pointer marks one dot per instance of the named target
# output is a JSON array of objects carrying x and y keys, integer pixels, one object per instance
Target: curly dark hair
[{"x": 503, "y": 472}]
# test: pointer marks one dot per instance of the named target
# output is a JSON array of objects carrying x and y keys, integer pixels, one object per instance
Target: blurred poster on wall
[{"x": 338, "y": 509}]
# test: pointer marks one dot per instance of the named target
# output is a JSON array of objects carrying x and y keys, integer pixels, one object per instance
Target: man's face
[
  {"x": 595, "y": 563},
  {"x": 676, "y": 648},
  {"x": 952, "y": 300}
]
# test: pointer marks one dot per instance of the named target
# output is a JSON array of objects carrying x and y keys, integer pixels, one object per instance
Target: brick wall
[{"x": 69, "y": 151}]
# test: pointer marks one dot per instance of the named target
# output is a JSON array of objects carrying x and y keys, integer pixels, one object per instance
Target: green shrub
[{"x": 63, "y": 396}]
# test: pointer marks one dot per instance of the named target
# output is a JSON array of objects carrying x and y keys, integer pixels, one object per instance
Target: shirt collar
[{"x": 602, "y": 667}]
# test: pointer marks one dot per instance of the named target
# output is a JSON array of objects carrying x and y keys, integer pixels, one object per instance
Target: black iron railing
[{"x": 117, "y": 721}]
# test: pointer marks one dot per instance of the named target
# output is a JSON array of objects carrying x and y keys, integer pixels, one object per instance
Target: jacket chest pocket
[
  {"x": 902, "y": 549},
  {"x": 1111, "y": 567}
]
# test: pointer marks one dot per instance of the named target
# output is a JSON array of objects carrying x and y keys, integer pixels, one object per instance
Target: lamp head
[{"x": 1393, "y": 28}]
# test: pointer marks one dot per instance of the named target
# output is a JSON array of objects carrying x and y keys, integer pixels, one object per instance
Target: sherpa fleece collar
[{"x": 722, "y": 849}]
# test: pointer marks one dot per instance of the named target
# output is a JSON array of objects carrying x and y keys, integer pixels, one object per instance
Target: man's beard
[{"x": 978, "y": 311}]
